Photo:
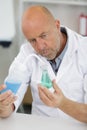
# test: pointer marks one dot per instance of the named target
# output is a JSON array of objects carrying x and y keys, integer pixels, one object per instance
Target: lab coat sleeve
[
  {"x": 24, "y": 52},
  {"x": 85, "y": 88},
  {"x": 83, "y": 63}
]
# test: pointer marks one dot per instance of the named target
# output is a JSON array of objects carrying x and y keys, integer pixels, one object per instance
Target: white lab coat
[{"x": 71, "y": 76}]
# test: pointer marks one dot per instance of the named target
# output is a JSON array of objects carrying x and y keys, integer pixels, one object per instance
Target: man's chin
[{"x": 48, "y": 57}]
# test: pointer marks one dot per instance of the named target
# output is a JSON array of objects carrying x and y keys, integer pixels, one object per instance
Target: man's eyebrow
[
  {"x": 31, "y": 39},
  {"x": 43, "y": 33},
  {"x": 38, "y": 36}
]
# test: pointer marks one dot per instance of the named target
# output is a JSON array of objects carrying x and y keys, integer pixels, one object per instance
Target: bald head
[
  {"x": 36, "y": 15},
  {"x": 34, "y": 11}
]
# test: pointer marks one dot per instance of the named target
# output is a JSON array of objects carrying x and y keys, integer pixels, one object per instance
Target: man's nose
[{"x": 40, "y": 43}]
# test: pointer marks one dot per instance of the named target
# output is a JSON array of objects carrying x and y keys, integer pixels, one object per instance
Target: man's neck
[{"x": 63, "y": 42}]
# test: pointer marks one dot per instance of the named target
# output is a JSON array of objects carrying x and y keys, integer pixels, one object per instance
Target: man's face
[{"x": 44, "y": 38}]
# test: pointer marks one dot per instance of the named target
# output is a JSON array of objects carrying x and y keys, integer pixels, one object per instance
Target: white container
[{"x": 16, "y": 77}]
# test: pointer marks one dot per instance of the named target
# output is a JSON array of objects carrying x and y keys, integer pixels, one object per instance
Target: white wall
[
  {"x": 8, "y": 54},
  {"x": 68, "y": 14}
]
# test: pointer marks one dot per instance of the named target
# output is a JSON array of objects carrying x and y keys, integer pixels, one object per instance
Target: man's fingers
[
  {"x": 45, "y": 96},
  {"x": 5, "y": 95},
  {"x": 2, "y": 87},
  {"x": 55, "y": 85},
  {"x": 9, "y": 100}
]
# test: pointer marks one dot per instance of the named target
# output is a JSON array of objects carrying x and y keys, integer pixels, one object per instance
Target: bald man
[{"x": 62, "y": 50}]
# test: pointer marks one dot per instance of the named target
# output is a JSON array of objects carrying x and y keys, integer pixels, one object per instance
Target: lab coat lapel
[
  {"x": 69, "y": 55},
  {"x": 65, "y": 65}
]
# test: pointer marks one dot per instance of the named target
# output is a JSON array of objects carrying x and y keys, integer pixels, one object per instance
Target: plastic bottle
[
  {"x": 15, "y": 78},
  {"x": 18, "y": 75}
]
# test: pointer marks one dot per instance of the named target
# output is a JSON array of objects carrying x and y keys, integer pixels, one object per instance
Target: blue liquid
[{"x": 11, "y": 86}]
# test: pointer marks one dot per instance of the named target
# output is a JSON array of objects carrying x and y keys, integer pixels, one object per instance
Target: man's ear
[{"x": 57, "y": 23}]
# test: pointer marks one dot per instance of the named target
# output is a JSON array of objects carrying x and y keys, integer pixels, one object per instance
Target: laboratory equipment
[{"x": 45, "y": 79}]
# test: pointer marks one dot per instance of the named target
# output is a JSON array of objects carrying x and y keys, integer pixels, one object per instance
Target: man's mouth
[{"x": 45, "y": 53}]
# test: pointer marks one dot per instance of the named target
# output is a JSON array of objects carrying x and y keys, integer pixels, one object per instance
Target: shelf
[{"x": 66, "y": 2}]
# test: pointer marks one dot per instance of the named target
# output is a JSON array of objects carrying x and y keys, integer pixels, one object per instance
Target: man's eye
[{"x": 33, "y": 41}]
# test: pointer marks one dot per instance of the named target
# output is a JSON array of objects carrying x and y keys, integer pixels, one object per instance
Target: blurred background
[{"x": 72, "y": 13}]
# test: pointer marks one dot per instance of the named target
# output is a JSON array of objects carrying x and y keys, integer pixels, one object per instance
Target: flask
[{"x": 45, "y": 80}]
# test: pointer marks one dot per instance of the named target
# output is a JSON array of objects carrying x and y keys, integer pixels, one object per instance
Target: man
[{"x": 63, "y": 51}]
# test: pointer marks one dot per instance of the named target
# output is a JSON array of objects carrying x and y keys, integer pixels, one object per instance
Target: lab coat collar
[
  {"x": 72, "y": 45},
  {"x": 71, "y": 50}
]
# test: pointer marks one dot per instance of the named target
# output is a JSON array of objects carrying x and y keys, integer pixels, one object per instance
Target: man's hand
[
  {"x": 57, "y": 99},
  {"x": 6, "y": 102},
  {"x": 51, "y": 99}
]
